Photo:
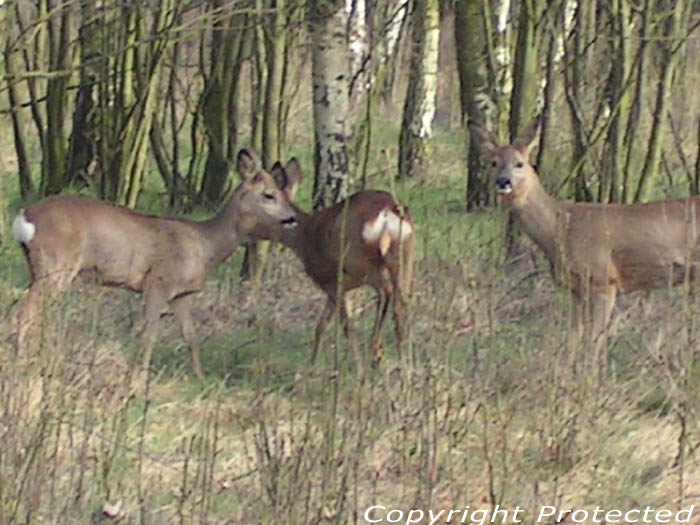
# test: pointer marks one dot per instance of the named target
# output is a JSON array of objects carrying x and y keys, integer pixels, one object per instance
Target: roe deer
[
  {"x": 165, "y": 259},
  {"x": 369, "y": 234},
  {"x": 596, "y": 250}
]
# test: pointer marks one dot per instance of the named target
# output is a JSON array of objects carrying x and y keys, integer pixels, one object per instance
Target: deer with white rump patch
[
  {"x": 366, "y": 240},
  {"x": 597, "y": 250},
  {"x": 165, "y": 259}
]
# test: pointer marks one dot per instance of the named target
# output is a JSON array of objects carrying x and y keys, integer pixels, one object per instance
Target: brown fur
[
  {"x": 328, "y": 237},
  {"x": 165, "y": 259},
  {"x": 597, "y": 250}
]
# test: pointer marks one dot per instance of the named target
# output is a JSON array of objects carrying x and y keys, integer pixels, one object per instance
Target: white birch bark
[
  {"x": 419, "y": 108},
  {"x": 358, "y": 43},
  {"x": 330, "y": 102}
]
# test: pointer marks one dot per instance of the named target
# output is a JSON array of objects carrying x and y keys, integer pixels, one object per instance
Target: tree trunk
[
  {"x": 19, "y": 132},
  {"x": 389, "y": 19},
  {"x": 639, "y": 98},
  {"x": 676, "y": 20},
  {"x": 82, "y": 152},
  {"x": 574, "y": 76},
  {"x": 619, "y": 103},
  {"x": 219, "y": 101},
  {"x": 148, "y": 66},
  {"x": 328, "y": 24},
  {"x": 474, "y": 93},
  {"x": 526, "y": 85},
  {"x": 358, "y": 48},
  {"x": 419, "y": 107},
  {"x": 526, "y": 77},
  {"x": 270, "y": 29},
  {"x": 53, "y": 165}
]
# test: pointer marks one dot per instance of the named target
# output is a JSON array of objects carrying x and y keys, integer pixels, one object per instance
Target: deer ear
[
  {"x": 485, "y": 140},
  {"x": 280, "y": 175},
  {"x": 527, "y": 138},
  {"x": 247, "y": 163},
  {"x": 294, "y": 176}
]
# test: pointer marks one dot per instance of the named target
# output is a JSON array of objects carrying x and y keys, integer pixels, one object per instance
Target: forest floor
[{"x": 480, "y": 410}]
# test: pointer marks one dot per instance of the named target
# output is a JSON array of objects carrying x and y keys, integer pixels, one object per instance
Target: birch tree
[
  {"x": 474, "y": 89},
  {"x": 419, "y": 106},
  {"x": 328, "y": 22}
]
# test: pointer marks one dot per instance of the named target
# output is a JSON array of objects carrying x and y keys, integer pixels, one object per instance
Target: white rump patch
[
  {"x": 397, "y": 227},
  {"x": 22, "y": 229},
  {"x": 386, "y": 225}
]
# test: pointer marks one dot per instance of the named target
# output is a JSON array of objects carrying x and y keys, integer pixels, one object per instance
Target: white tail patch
[
  {"x": 22, "y": 229},
  {"x": 385, "y": 228}
]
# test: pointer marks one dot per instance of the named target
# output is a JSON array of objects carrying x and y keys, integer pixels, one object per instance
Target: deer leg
[
  {"x": 385, "y": 294},
  {"x": 398, "y": 282},
  {"x": 43, "y": 288},
  {"x": 602, "y": 304},
  {"x": 155, "y": 303},
  {"x": 577, "y": 322},
  {"x": 383, "y": 299},
  {"x": 27, "y": 315},
  {"x": 182, "y": 308},
  {"x": 326, "y": 316}
]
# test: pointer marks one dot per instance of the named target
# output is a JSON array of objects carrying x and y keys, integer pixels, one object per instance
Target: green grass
[{"x": 478, "y": 410}]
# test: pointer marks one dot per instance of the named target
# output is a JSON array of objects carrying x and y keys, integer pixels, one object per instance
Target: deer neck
[
  {"x": 221, "y": 235},
  {"x": 539, "y": 214},
  {"x": 294, "y": 238}
]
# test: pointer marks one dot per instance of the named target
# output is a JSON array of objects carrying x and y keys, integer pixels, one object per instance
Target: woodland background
[{"x": 146, "y": 104}]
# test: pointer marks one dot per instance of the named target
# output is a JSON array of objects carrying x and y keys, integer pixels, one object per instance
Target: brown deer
[
  {"x": 165, "y": 259},
  {"x": 364, "y": 240},
  {"x": 597, "y": 250}
]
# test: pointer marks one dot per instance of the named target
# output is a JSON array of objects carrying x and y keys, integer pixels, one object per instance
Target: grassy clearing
[{"x": 478, "y": 412}]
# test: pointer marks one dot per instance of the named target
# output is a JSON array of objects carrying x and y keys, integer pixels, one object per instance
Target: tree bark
[
  {"x": 474, "y": 93},
  {"x": 82, "y": 152},
  {"x": 219, "y": 101},
  {"x": 19, "y": 132},
  {"x": 53, "y": 166},
  {"x": 419, "y": 106},
  {"x": 619, "y": 103},
  {"x": 328, "y": 25},
  {"x": 677, "y": 15}
]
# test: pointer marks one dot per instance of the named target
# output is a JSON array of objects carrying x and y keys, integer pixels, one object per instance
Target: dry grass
[{"x": 478, "y": 412}]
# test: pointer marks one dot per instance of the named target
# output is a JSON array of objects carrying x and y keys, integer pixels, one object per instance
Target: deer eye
[
  {"x": 519, "y": 164},
  {"x": 269, "y": 196},
  {"x": 494, "y": 163}
]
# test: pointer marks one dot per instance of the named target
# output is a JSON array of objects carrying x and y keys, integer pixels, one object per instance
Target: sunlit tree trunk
[
  {"x": 638, "y": 100},
  {"x": 270, "y": 29},
  {"x": 526, "y": 76},
  {"x": 358, "y": 47},
  {"x": 574, "y": 74},
  {"x": 148, "y": 65},
  {"x": 676, "y": 19},
  {"x": 526, "y": 84},
  {"x": 419, "y": 107},
  {"x": 475, "y": 96},
  {"x": 619, "y": 103},
  {"x": 19, "y": 131},
  {"x": 328, "y": 24},
  {"x": 53, "y": 166},
  {"x": 389, "y": 20},
  {"x": 500, "y": 58}
]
